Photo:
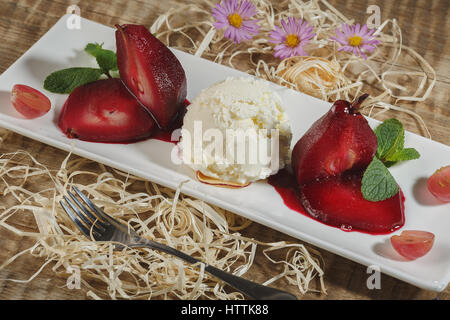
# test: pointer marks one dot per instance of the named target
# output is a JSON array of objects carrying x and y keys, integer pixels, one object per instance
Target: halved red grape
[
  {"x": 439, "y": 184},
  {"x": 413, "y": 244},
  {"x": 29, "y": 102}
]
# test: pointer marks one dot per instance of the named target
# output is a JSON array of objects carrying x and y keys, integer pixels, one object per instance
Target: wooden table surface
[{"x": 425, "y": 25}]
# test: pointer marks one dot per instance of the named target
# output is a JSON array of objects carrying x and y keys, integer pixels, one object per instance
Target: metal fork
[{"x": 92, "y": 220}]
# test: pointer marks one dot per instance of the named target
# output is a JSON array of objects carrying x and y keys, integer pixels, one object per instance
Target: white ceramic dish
[{"x": 62, "y": 48}]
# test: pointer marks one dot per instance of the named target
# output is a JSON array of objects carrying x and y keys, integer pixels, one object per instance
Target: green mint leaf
[
  {"x": 391, "y": 138},
  {"x": 66, "y": 80},
  {"x": 93, "y": 48},
  {"x": 403, "y": 155},
  {"x": 106, "y": 59},
  {"x": 377, "y": 183}
]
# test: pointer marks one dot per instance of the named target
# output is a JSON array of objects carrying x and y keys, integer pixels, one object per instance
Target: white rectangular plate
[{"x": 62, "y": 48}]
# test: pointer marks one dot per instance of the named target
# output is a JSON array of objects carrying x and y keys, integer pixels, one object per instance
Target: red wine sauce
[
  {"x": 287, "y": 187},
  {"x": 166, "y": 135}
]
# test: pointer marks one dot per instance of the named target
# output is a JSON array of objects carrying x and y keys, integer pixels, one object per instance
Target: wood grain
[{"x": 425, "y": 26}]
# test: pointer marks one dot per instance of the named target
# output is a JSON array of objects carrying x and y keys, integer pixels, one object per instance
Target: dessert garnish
[
  {"x": 413, "y": 244},
  {"x": 66, "y": 80},
  {"x": 29, "y": 102},
  {"x": 104, "y": 111},
  {"x": 340, "y": 171},
  {"x": 106, "y": 59},
  {"x": 219, "y": 183},
  {"x": 439, "y": 184},
  {"x": 377, "y": 183}
]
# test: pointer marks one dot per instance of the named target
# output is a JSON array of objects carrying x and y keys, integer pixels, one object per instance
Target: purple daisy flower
[
  {"x": 291, "y": 39},
  {"x": 234, "y": 16},
  {"x": 356, "y": 39}
]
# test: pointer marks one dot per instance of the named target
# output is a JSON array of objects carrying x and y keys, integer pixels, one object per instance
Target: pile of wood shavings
[
  {"x": 190, "y": 28},
  {"x": 192, "y": 226}
]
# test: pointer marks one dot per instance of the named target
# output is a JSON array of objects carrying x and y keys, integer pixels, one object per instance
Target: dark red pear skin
[
  {"x": 105, "y": 111},
  {"x": 328, "y": 163},
  {"x": 151, "y": 72},
  {"x": 339, "y": 141},
  {"x": 338, "y": 201}
]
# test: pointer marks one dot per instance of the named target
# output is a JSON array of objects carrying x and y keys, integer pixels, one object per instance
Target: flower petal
[
  {"x": 346, "y": 29},
  {"x": 232, "y": 5},
  {"x": 361, "y": 53},
  {"x": 367, "y": 47},
  {"x": 247, "y": 9},
  {"x": 250, "y": 26},
  {"x": 221, "y": 24},
  {"x": 285, "y": 26},
  {"x": 363, "y": 31}
]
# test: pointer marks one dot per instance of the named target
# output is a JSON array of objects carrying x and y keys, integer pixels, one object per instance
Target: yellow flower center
[
  {"x": 355, "y": 41},
  {"x": 292, "y": 40},
  {"x": 235, "y": 20}
]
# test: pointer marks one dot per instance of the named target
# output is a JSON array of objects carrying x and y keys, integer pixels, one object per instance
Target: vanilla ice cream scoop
[{"x": 236, "y": 131}]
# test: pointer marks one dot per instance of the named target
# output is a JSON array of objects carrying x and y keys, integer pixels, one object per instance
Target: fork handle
[{"x": 252, "y": 289}]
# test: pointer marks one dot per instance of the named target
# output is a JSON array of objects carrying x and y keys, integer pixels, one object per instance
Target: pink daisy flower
[
  {"x": 234, "y": 16},
  {"x": 356, "y": 39},
  {"x": 291, "y": 39}
]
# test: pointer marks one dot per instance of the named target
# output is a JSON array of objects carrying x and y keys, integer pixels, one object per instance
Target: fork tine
[
  {"x": 94, "y": 219},
  {"x": 77, "y": 221},
  {"x": 94, "y": 208},
  {"x": 90, "y": 224}
]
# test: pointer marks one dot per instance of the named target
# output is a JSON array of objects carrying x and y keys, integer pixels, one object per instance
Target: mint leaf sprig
[
  {"x": 377, "y": 183},
  {"x": 391, "y": 143},
  {"x": 106, "y": 59},
  {"x": 66, "y": 80}
]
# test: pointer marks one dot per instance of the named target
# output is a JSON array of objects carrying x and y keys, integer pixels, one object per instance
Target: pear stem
[{"x": 356, "y": 104}]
